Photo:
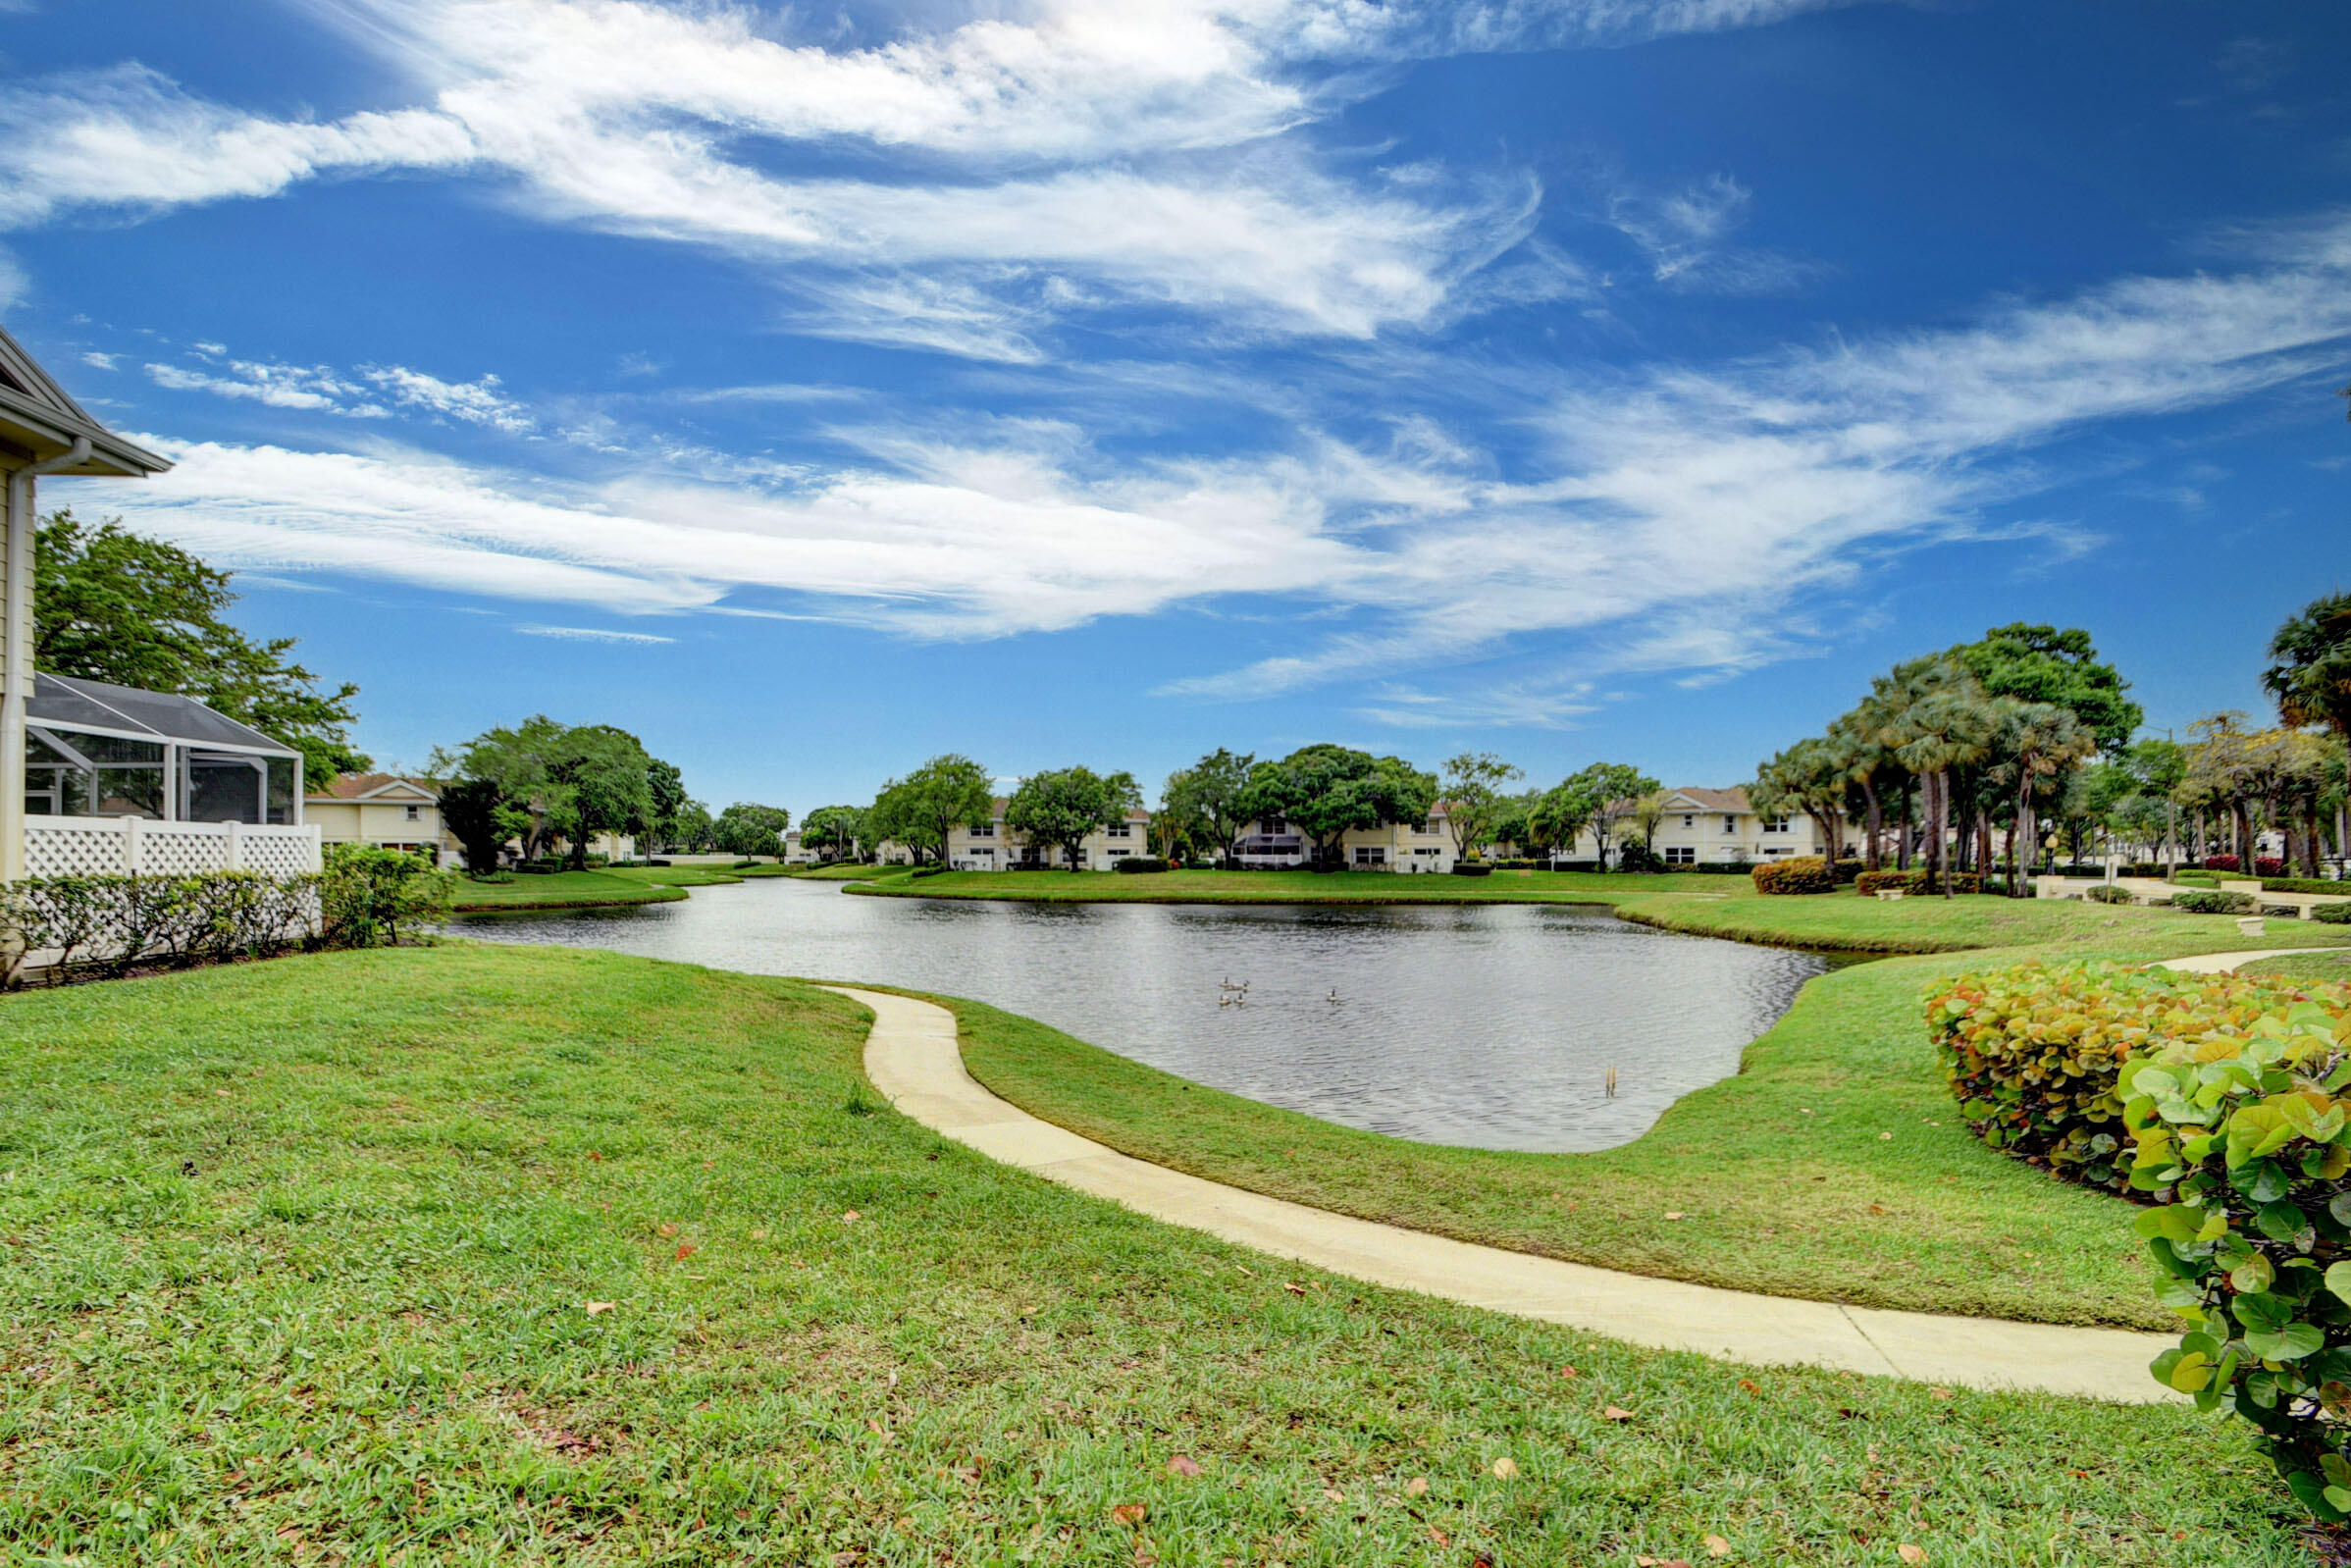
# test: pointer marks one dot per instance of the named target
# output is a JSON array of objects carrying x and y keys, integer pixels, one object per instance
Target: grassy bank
[
  {"x": 491, "y": 1255},
  {"x": 561, "y": 890},
  {"x": 2316, "y": 968},
  {"x": 1832, "y": 1167},
  {"x": 836, "y": 873}
]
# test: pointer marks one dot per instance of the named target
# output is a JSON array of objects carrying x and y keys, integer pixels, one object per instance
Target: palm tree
[
  {"x": 2035, "y": 741},
  {"x": 1949, "y": 727},
  {"x": 2310, "y": 673}
]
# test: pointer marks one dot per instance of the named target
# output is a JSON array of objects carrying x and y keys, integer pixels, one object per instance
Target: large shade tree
[
  {"x": 749, "y": 828},
  {"x": 112, "y": 605},
  {"x": 833, "y": 832},
  {"x": 1208, "y": 799},
  {"x": 603, "y": 774},
  {"x": 1061, "y": 808},
  {"x": 921, "y": 809},
  {"x": 1606, "y": 794},
  {"x": 1326, "y": 791},
  {"x": 1473, "y": 802}
]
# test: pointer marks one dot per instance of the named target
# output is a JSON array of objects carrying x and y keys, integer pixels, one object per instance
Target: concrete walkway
[
  {"x": 913, "y": 1059},
  {"x": 2226, "y": 963}
]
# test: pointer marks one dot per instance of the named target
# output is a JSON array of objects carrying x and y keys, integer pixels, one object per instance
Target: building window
[
  {"x": 1425, "y": 830},
  {"x": 1118, "y": 830},
  {"x": 1775, "y": 824},
  {"x": 415, "y": 813},
  {"x": 981, "y": 830},
  {"x": 1680, "y": 855},
  {"x": 1730, "y": 822},
  {"x": 1369, "y": 854},
  {"x": 1690, "y": 821}
]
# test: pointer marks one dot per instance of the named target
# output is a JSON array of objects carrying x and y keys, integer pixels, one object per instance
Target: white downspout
[{"x": 16, "y": 662}]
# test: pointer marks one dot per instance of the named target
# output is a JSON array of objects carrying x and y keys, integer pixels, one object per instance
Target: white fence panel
[{"x": 113, "y": 845}]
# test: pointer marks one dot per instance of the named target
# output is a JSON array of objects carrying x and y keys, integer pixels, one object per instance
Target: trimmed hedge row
[
  {"x": 2032, "y": 1052},
  {"x": 1805, "y": 873},
  {"x": 2212, "y": 901}
]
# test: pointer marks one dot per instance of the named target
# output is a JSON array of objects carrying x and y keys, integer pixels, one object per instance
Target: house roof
[
  {"x": 41, "y": 418},
  {"x": 998, "y": 804},
  {"x": 1733, "y": 798},
  {"x": 377, "y": 786},
  {"x": 71, "y": 703}
]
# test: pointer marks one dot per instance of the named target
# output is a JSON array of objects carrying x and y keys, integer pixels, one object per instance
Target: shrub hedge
[
  {"x": 2243, "y": 1136},
  {"x": 1869, "y": 883},
  {"x": 2032, "y": 1052},
  {"x": 2212, "y": 901},
  {"x": 2108, "y": 895},
  {"x": 2332, "y": 914},
  {"x": 1142, "y": 864},
  {"x": 1805, "y": 873}
]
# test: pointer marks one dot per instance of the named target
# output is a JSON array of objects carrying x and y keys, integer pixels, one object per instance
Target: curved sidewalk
[
  {"x": 913, "y": 1057},
  {"x": 2228, "y": 963}
]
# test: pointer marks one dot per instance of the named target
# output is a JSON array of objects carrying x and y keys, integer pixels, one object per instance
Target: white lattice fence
[{"x": 111, "y": 846}]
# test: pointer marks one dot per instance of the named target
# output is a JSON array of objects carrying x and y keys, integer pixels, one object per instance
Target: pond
[{"x": 1490, "y": 1026}]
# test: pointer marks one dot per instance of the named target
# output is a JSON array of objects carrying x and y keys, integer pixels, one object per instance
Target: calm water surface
[{"x": 1491, "y": 1026}]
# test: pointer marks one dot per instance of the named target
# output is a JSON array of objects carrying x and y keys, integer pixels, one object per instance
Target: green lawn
[
  {"x": 2316, "y": 968},
  {"x": 308, "y": 1262},
  {"x": 836, "y": 873},
  {"x": 677, "y": 875},
  {"x": 561, "y": 890},
  {"x": 1832, "y": 1167}
]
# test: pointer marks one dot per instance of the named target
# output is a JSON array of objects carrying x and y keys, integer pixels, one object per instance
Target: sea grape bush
[
  {"x": 1804, "y": 874},
  {"x": 2212, "y": 901},
  {"x": 2246, "y": 1138},
  {"x": 2033, "y": 1054}
]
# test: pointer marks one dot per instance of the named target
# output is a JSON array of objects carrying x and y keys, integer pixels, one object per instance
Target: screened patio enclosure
[{"x": 95, "y": 750}]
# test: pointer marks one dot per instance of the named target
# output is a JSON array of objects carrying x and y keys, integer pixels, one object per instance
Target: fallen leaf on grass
[
  {"x": 594, "y": 1307},
  {"x": 1293, "y": 1288},
  {"x": 1748, "y": 1386},
  {"x": 669, "y": 1229},
  {"x": 1885, "y": 1138},
  {"x": 852, "y": 1216},
  {"x": 1910, "y": 1554},
  {"x": 1940, "y": 1394},
  {"x": 1567, "y": 1372},
  {"x": 1504, "y": 1469},
  {"x": 1673, "y": 1214},
  {"x": 1617, "y": 1413},
  {"x": 685, "y": 1250},
  {"x": 593, "y": 1155},
  {"x": 1417, "y": 1486},
  {"x": 1662, "y": 1562},
  {"x": 1439, "y": 1536},
  {"x": 1717, "y": 1546},
  {"x": 761, "y": 1234},
  {"x": 1127, "y": 1513},
  {"x": 1334, "y": 1494},
  {"x": 1877, "y": 1208},
  {"x": 1182, "y": 1465}
]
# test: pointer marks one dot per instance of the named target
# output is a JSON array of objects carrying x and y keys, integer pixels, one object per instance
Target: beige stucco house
[
  {"x": 992, "y": 845},
  {"x": 383, "y": 810},
  {"x": 1709, "y": 827},
  {"x": 1273, "y": 844}
]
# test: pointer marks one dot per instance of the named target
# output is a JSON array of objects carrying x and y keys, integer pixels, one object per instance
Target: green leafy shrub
[
  {"x": 2033, "y": 1053},
  {"x": 1141, "y": 863},
  {"x": 1640, "y": 859},
  {"x": 368, "y": 894},
  {"x": 2332, "y": 914},
  {"x": 2211, "y": 900},
  {"x": 2108, "y": 895},
  {"x": 2243, "y": 1134},
  {"x": 1806, "y": 873},
  {"x": 1471, "y": 869},
  {"x": 1869, "y": 884}
]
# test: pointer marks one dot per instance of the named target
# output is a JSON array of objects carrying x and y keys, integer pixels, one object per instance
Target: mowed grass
[
  {"x": 561, "y": 890},
  {"x": 2317, "y": 967},
  {"x": 307, "y": 1262},
  {"x": 837, "y": 873},
  {"x": 676, "y": 875},
  {"x": 1834, "y": 1165}
]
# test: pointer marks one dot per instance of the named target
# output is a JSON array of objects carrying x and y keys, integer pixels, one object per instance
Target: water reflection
[{"x": 1493, "y": 1025}]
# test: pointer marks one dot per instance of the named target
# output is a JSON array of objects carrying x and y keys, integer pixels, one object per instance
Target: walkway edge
[{"x": 914, "y": 1059}]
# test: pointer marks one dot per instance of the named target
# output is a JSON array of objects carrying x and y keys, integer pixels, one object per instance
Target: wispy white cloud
[
  {"x": 1069, "y": 156},
  {"x": 98, "y": 361},
  {"x": 371, "y": 391},
  {"x": 1677, "y": 518},
  {"x": 474, "y": 402},
  {"x": 591, "y": 634},
  {"x": 313, "y": 388},
  {"x": 16, "y": 284}
]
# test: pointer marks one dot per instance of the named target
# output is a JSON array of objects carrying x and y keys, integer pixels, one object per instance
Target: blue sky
[{"x": 811, "y": 391}]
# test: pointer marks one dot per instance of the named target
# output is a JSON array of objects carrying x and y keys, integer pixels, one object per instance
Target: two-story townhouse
[
  {"x": 994, "y": 845},
  {"x": 1275, "y": 845},
  {"x": 1712, "y": 827},
  {"x": 383, "y": 810}
]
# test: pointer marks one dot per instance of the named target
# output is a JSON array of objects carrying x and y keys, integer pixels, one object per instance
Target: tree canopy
[
  {"x": 1058, "y": 809},
  {"x": 1326, "y": 790},
  {"x": 2310, "y": 666},
  {"x": 833, "y": 831},
  {"x": 1472, "y": 789},
  {"x": 2043, "y": 665},
  {"x": 920, "y": 810},
  {"x": 113, "y": 606},
  {"x": 748, "y": 828},
  {"x": 1210, "y": 796}
]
